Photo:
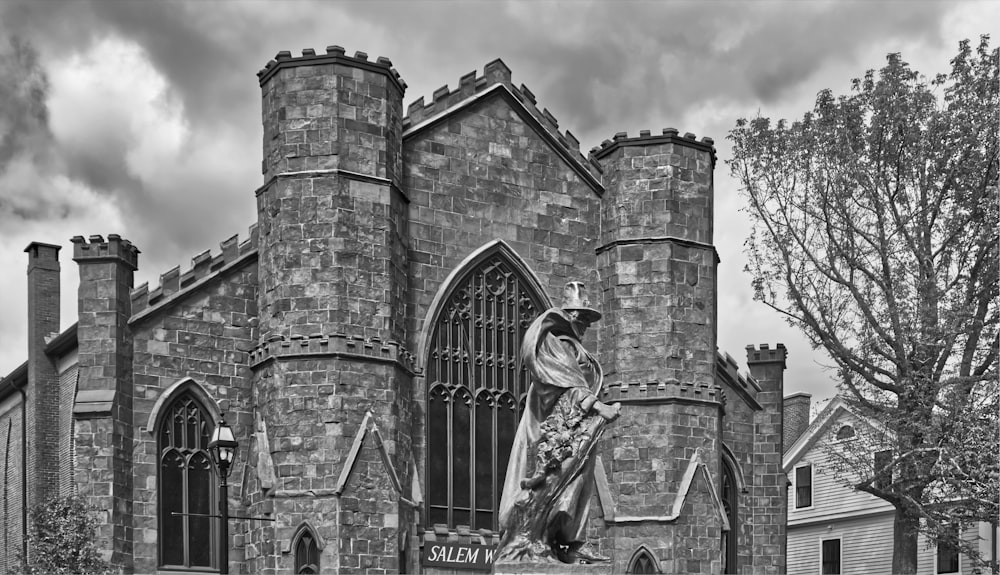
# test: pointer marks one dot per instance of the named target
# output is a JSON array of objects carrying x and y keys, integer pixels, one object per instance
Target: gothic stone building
[{"x": 362, "y": 341}]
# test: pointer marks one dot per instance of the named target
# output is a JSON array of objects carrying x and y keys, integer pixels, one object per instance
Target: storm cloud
[{"x": 143, "y": 118}]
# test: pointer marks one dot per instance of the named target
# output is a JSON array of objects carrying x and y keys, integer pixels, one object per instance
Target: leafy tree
[
  {"x": 62, "y": 539},
  {"x": 875, "y": 223}
]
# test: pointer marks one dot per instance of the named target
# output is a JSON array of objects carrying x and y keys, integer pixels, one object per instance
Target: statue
[{"x": 550, "y": 474}]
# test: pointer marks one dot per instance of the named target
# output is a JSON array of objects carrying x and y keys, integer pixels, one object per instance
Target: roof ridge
[
  {"x": 202, "y": 265},
  {"x": 496, "y": 72}
]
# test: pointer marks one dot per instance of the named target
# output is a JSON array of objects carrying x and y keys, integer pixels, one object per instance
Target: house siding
[
  {"x": 866, "y": 545},
  {"x": 830, "y": 495},
  {"x": 862, "y": 522}
]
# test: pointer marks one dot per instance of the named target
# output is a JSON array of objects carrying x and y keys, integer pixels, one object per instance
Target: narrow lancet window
[{"x": 186, "y": 487}]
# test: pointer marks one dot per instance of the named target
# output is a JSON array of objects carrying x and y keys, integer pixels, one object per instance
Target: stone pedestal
[{"x": 530, "y": 568}]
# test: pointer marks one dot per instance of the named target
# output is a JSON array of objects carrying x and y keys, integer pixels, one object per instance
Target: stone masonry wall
[
  {"x": 333, "y": 274},
  {"x": 204, "y": 335},
  {"x": 658, "y": 275},
  {"x": 485, "y": 175},
  {"x": 737, "y": 434}
]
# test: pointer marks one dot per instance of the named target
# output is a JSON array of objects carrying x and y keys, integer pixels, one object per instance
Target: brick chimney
[
  {"x": 795, "y": 416},
  {"x": 43, "y": 377}
]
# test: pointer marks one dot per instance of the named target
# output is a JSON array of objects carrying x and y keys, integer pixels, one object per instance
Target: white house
[{"x": 834, "y": 529}]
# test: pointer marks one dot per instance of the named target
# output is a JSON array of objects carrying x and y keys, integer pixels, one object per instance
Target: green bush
[{"x": 62, "y": 539}]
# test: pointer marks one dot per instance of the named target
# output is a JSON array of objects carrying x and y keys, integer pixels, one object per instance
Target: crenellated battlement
[
  {"x": 646, "y": 138},
  {"x": 765, "y": 354},
  {"x": 95, "y": 248},
  {"x": 727, "y": 366},
  {"x": 657, "y": 391},
  {"x": 334, "y": 55},
  {"x": 338, "y": 344},
  {"x": 203, "y": 265},
  {"x": 494, "y": 73}
]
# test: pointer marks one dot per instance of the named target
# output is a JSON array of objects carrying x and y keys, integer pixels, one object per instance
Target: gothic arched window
[
  {"x": 642, "y": 562},
  {"x": 730, "y": 501},
  {"x": 188, "y": 538},
  {"x": 475, "y": 386},
  {"x": 306, "y": 554}
]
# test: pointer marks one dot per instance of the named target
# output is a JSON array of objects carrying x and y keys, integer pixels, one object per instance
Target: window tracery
[
  {"x": 186, "y": 488},
  {"x": 476, "y": 387}
]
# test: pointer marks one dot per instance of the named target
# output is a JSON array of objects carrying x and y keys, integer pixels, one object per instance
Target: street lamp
[{"x": 222, "y": 449}]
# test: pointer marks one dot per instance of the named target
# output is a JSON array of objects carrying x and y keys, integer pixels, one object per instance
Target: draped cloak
[{"x": 557, "y": 363}]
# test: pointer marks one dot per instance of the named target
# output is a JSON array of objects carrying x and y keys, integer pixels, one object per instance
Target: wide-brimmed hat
[{"x": 575, "y": 299}]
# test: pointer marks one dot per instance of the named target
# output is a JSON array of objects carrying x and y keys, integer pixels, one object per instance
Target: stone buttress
[
  {"x": 104, "y": 433},
  {"x": 658, "y": 345},
  {"x": 332, "y": 275},
  {"x": 768, "y": 492}
]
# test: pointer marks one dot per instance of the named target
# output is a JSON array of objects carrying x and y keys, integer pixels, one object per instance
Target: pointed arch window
[
  {"x": 475, "y": 388},
  {"x": 730, "y": 502},
  {"x": 186, "y": 487},
  {"x": 306, "y": 554},
  {"x": 642, "y": 562}
]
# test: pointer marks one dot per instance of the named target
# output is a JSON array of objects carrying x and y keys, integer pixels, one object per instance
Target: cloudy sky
[{"x": 143, "y": 118}]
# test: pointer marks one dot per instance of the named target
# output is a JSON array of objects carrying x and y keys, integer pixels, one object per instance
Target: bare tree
[{"x": 875, "y": 231}]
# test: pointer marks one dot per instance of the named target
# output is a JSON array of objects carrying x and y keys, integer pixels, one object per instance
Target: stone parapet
[
  {"x": 656, "y": 391},
  {"x": 646, "y": 137},
  {"x": 96, "y": 249},
  {"x": 203, "y": 266},
  {"x": 334, "y": 55},
  {"x": 335, "y": 345}
]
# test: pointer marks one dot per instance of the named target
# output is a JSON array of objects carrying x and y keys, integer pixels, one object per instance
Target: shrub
[{"x": 62, "y": 539}]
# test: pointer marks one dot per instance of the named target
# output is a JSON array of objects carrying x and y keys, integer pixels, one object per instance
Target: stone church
[{"x": 362, "y": 341}]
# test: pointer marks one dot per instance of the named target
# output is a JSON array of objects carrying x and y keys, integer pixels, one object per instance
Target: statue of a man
[{"x": 550, "y": 474}]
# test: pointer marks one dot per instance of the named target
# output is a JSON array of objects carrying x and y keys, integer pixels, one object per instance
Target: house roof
[
  {"x": 834, "y": 411},
  {"x": 56, "y": 346}
]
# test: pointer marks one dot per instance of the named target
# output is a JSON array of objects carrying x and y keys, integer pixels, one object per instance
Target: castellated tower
[
  {"x": 658, "y": 273},
  {"x": 332, "y": 386},
  {"x": 364, "y": 345}
]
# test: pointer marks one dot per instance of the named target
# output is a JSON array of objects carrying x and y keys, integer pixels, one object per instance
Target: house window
[
  {"x": 845, "y": 432},
  {"x": 947, "y": 558},
  {"x": 306, "y": 554},
  {"x": 475, "y": 390},
  {"x": 883, "y": 477},
  {"x": 188, "y": 538},
  {"x": 803, "y": 486},
  {"x": 830, "y": 560}
]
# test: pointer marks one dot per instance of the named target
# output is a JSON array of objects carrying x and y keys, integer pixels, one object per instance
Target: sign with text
[{"x": 458, "y": 556}]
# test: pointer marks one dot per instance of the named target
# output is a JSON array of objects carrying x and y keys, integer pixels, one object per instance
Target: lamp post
[{"x": 222, "y": 449}]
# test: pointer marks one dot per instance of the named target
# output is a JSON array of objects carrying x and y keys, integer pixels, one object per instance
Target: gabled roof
[
  {"x": 825, "y": 420},
  {"x": 495, "y": 82}
]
